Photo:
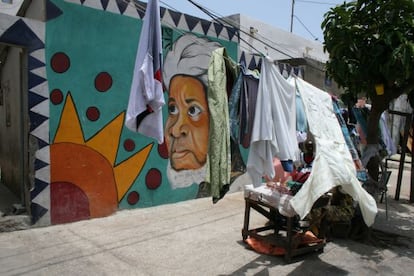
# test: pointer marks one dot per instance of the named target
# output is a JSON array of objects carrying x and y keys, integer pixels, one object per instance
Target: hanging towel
[
  {"x": 144, "y": 112},
  {"x": 274, "y": 128},
  {"x": 333, "y": 165}
]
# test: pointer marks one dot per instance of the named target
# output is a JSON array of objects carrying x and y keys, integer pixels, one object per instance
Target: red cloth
[
  {"x": 300, "y": 177},
  {"x": 265, "y": 248},
  {"x": 261, "y": 246}
]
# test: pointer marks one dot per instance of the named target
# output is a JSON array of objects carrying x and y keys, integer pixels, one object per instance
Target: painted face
[{"x": 187, "y": 126}]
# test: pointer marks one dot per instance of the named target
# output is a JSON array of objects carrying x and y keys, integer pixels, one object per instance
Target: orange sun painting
[{"x": 85, "y": 182}]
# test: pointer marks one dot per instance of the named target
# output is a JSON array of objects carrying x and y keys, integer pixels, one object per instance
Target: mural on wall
[
  {"x": 85, "y": 181},
  {"x": 187, "y": 125},
  {"x": 97, "y": 164},
  {"x": 79, "y": 74}
]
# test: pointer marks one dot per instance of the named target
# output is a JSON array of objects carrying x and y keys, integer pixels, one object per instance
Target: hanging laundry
[
  {"x": 219, "y": 151},
  {"x": 368, "y": 150},
  {"x": 274, "y": 128},
  {"x": 144, "y": 112},
  {"x": 361, "y": 172},
  {"x": 187, "y": 124},
  {"x": 386, "y": 134},
  {"x": 333, "y": 165},
  {"x": 344, "y": 128},
  {"x": 397, "y": 123},
  {"x": 248, "y": 105},
  {"x": 301, "y": 122},
  {"x": 234, "y": 101}
]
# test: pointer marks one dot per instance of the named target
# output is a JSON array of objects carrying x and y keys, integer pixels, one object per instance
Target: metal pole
[
  {"x": 291, "y": 15},
  {"x": 402, "y": 158},
  {"x": 412, "y": 165}
]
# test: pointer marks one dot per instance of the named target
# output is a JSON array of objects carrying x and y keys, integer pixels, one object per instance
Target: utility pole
[{"x": 291, "y": 15}]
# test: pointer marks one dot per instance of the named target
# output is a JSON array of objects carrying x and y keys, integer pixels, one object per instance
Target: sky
[{"x": 308, "y": 14}]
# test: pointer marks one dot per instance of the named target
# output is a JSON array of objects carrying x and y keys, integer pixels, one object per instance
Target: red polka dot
[
  {"x": 60, "y": 62},
  {"x": 133, "y": 198},
  {"x": 129, "y": 145},
  {"x": 153, "y": 179},
  {"x": 56, "y": 96},
  {"x": 92, "y": 113},
  {"x": 103, "y": 82},
  {"x": 163, "y": 150}
]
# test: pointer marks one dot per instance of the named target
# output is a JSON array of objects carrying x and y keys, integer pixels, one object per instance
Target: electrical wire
[
  {"x": 215, "y": 18},
  {"x": 221, "y": 20},
  {"x": 181, "y": 32},
  {"x": 316, "y": 2},
  {"x": 306, "y": 28},
  {"x": 218, "y": 18},
  {"x": 311, "y": 2}
]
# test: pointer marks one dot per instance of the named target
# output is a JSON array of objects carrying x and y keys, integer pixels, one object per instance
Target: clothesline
[{"x": 231, "y": 23}]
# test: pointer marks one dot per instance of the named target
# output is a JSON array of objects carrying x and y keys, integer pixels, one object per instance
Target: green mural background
[{"x": 99, "y": 51}]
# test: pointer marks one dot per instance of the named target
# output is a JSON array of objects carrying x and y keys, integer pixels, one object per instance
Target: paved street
[{"x": 198, "y": 238}]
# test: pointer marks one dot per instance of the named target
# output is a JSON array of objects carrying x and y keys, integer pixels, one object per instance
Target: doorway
[{"x": 15, "y": 180}]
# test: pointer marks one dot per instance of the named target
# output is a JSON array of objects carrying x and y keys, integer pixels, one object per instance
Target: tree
[{"x": 371, "y": 43}]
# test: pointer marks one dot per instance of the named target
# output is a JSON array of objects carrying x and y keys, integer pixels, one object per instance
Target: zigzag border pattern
[
  {"x": 40, "y": 117},
  {"x": 184, "y": 22},
  {"x": 170, "y": 18}
]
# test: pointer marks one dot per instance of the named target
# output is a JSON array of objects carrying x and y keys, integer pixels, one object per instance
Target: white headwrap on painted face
[
  {"x": 185, "y": 178},
  {"x": 190, "y": 55}
]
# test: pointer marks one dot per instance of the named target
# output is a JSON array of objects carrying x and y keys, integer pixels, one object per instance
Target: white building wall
[{"x": 281, "y": 45}]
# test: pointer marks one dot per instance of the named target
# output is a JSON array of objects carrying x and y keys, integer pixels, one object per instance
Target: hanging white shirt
[
  {"x": 144, "y": 112},
  {"x": 274, "y": 128}
]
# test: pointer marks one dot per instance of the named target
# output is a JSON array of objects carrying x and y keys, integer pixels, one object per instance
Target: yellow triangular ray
[
  {"x": 69, "y": 129},
  {"x": 126, "y": 172},
  {"x": 106, "y": 141}
]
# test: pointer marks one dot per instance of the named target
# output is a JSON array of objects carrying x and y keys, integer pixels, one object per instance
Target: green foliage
[{"x": 371, "y": 42}]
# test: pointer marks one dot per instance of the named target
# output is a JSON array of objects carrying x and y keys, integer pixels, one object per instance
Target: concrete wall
[
  {"x": 274, "y": 42},
  {"x": 315, "y": 74}
]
